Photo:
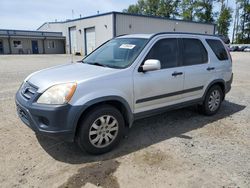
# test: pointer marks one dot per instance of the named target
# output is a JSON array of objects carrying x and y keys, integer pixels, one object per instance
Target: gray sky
[{"x": 30, "y": 14}]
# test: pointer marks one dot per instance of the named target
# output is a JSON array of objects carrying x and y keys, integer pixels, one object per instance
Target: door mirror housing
[{"x": 150, "y": 65}]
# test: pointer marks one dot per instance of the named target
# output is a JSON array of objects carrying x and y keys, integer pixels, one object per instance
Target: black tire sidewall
[
  {"x": 206, "y": 109},
  {"x": 85, "y": 124}
]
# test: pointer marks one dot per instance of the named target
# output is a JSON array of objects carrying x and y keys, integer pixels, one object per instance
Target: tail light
[
  {"x": 228, "y": 52},
  {"x": 229, "y": 55}
]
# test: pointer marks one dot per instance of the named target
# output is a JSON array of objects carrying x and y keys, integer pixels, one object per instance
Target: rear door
[
  {"x": 221, "y": 58},
  {"x": 197, "y": 68},
  {"x": 159, "y": 88}
]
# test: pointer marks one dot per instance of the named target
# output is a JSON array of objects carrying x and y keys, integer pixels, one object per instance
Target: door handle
[
  {"x": 177, "y": 73},
  {"x": 210, "y": 68}
]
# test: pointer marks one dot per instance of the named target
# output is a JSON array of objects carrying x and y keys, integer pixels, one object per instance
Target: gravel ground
[{"x": 176, "y": 149}]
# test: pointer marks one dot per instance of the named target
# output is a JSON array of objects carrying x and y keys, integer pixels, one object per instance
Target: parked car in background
[
  {"x": 233, "y": 48},
  {"x": 242, "y": 48},
  {"x": 127, "y": 78},
  {"x": 247, "y": 49}
]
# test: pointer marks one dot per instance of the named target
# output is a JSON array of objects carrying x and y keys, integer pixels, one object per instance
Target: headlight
[{"x": 58, "y": 94}]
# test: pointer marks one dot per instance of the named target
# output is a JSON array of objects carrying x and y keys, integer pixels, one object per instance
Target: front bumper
[{"x": 56, "y": 121}]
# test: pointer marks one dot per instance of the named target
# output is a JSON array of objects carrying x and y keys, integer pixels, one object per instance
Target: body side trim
[
  {"x": 169, "y": 94},
  {"x": 149, "y": 113}
]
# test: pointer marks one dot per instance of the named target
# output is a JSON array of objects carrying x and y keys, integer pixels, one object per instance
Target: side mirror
[{"x": 150, "y": 65}]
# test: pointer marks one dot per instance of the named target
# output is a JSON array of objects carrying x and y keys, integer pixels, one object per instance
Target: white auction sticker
[{"x": 127, "y": 46}]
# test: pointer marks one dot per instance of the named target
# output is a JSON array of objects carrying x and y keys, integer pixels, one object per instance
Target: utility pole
[
  {"x": 236, "y": 21},
  {"x": 72, "y": 14},
  {"x": 244, "y": 18}
]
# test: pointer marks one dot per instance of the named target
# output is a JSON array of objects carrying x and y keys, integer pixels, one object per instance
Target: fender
[
  {"x": 221, "y": 81},
  {"x": 129, "y": 114}
]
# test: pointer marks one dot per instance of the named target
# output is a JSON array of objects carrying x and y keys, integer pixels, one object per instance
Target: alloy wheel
[{"x": 103, "y": 131}]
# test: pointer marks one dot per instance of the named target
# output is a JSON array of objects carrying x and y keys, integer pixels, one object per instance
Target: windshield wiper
[
  {"x": 95, "y": 63},
  {"x": 99, "y": 64},
  {"x": 80, "y": 61}
]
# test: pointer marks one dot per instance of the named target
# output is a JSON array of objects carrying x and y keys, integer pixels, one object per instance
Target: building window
[
  {"x": 51, "y": 44},
  {"x": 17, "y": 44}
]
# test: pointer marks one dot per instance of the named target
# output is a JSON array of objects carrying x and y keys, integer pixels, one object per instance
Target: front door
[
  {"x": 1, "y": 47},
  {"x": 160, "y": 88},
  {"x": 34, "y": 47}
]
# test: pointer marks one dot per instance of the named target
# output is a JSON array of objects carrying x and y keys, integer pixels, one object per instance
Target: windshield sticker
[{"x": 127, "y": 46}]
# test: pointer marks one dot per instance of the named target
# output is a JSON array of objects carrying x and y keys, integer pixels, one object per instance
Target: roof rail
[{"x": 185, "y": 33}]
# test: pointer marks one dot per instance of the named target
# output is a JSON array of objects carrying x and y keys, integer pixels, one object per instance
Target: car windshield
[{"x": 116, "y": 53}]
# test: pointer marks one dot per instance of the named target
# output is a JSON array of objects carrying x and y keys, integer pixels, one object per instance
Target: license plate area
[{"x": 22, "y": 114}]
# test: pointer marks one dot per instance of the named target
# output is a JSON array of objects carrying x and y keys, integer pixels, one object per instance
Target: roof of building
[
  {"x": 28, "y": 33},
  {"x": 124, "y": 13}
]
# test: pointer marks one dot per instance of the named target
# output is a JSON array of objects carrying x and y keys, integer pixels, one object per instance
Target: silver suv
[{"x": 129, "y": 77}]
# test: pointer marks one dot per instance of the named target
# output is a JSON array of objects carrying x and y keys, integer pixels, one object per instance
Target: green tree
[
  {"x": 204, "y": 11},
  {"x": 164, "y": 8},
  {"x": 198, "y": 10},
  {"x": 169, "y": 8},
  {"x": 243, "y": 31},
  {"x": 225, "y": 19},
  {"x": 188, "y": 9},
  {"x": 152, "y": 7},
  {"x": 139, "y": 8}
]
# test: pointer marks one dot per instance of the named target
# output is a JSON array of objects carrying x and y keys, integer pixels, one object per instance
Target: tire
[
  {"x": 212, "y": 102},
  {"x": 101, "y": 130}
]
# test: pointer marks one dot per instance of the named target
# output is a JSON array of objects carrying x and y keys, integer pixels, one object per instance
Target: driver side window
[{"x": 166, "y": 51}]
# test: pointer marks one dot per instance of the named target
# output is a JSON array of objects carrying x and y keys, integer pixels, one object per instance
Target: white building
[
  {"x": 31, "y": 42},
  {"x": 83, "y": 35}
]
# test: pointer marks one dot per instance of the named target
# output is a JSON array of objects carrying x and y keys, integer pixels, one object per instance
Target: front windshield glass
[{"x": 117, "y": 53}]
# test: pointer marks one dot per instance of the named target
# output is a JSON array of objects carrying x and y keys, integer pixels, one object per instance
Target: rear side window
[
  {"x": 166, "y": 51},
  {"x": 218, "y": 48},
  {"x": 194, "y": 52}
]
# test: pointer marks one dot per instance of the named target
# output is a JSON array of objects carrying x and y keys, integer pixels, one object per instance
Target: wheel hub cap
[
  {"x": 214, "y": 100},
  {"x": 103, "y": 131}
]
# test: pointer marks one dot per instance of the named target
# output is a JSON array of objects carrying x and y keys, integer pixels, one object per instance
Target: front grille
[{"x": 28, "y": 90}]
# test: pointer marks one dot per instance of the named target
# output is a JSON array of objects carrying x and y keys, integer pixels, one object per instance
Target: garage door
[
  {"x": 89, "y": 40},
  {"x": 1, "y": 47},
  {"x": 72, "y": 36}
]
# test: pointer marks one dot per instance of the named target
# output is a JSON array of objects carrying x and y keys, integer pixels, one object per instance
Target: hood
[{"x": 76, "y": 72}]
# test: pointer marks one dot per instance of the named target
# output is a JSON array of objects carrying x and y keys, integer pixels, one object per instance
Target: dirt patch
[
  {"x": 157, "y": 159},
  {"x": 99, "y": 174},
  {"x": 152, "y": 158}
]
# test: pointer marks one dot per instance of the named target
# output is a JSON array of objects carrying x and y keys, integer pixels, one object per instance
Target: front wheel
[
  {"x": 212, "y": 101},
  {"x": 101, "y": 130}
]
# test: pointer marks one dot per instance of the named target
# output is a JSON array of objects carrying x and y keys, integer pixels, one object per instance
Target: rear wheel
[
  {"x": 101, "y": 130},
  {"x": 212, "y": 101}
]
